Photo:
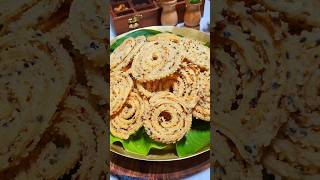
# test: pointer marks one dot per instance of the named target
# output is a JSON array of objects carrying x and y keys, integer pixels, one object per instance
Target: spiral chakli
[
  {"x": 121, "y": 85},
  {"x": 166, "y": 36},
  {"x": 266, "y": 87},
  {"x": 229, "y": 164},
  {"x": 202, "y": 108},
  {"x": 196, "y": 52},
  {"x": 296, "y": 150},
  {"x": 125, "y": 53},
  {"x": 155, "y": 60},
  {"x": 129, "y": 119},
  {"x": 27, "y": 13},
  {"x": 88, "y": 29},
  {"x": 74, "y": 146},
  {"x": 248, "y": 78},
  {"x": 98, "y": 84},
  {"x": 168, "y": 118},
  {"x": 303, "y": 76},
  {"x": 34, "y": 77},
  {"x": 147, "y": 89},
  {"x": 296, "y": 10},
  {"x": 187, "y": 84},
  {"x": 297, "y": 154},
  {"x": 121, "y": 52}
]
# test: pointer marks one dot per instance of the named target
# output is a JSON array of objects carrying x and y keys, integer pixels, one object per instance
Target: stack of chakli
[
  {"x": 266, "y": 89},
  {"x": 52, "y": 79},
  {"x": 159, "y": 83}
]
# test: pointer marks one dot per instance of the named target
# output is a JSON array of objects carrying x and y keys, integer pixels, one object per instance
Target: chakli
[
  {"x": 53, "y": 63},
  {"x": 171, "y": 84}
]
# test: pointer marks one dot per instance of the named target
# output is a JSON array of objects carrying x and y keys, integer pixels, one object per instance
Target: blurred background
[{"x": 126, "y": 15}]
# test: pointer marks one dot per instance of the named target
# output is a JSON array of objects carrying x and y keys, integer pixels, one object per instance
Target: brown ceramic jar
[
  {"x": 192, "y": 15},
  {"x": 169, "y": 15}
]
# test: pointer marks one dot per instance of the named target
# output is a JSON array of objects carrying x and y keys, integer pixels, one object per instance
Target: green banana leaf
[
  {"x": 139, "y": 143},
  {"x": 195, "y": 140},
  {"x": 142, "y": 32}
]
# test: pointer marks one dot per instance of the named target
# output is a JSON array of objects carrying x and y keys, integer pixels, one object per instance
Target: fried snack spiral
[
  {"x": 296, "y": 10},
  {"x": 129, "y": 119},
  {"x": 125, "y": 53},
  {"x": 303, "y": 51},
  {"x": 168, "y": 118},
  {"x": 88, "y": 29},
  {"x": 121, "y": 52},
  {"x": 35, "y": 75},
  {"x": 249, "y": 79},
  {"x": 27, "y": 13},
  {"x": 121, "y": 85},
  {"x": 302, "y": 97},
  {"x": 96, "y": 81},
  {"x": 155, "y": 60},
  {"x": 266, "y": 99},
  {"x": 166, "y": 36},
  {"x": 225, "y": 67},
  {"x": 292, "y": 161},
  {"x": 196, "y": 52},
  {"x": 202, "y": 108},
  {"x": 229, "y": 164},
  {"x": 296, "y": 150},
  {"x": 148, "y": 88},
  {"x": 76, "y": 141},
  {"x": 188, "y": 83}
]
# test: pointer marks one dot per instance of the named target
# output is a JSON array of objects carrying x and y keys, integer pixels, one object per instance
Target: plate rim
[
  {"x": 161, "y": 28},
  {"x": 144, "y": 158}
]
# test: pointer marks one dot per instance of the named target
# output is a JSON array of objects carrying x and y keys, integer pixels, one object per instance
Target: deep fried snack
[
  {"x": 78, "y": 139},
  {"x": 292, "y": 161},
  {"x": 168, "y": 118},
  {"x": 121, "y": 52},
  {"x": 129, "y": 119},
  {"x": 202, "y": 108},
  {"x": 155, "y": 60},
  {"x": 28, "y": 13},
  {"x": 229, "y": 164},
  {"x": 121, "y": 85},
  {"x": 97, "y": 83},
  {"x": 249, "y": 78},
  {"x": 88, "y": 29},
  {"x": 35, "y": 75},
  {"x": 188, "y": 82},
  {"x": 302, "y": 10},
  {"x": 174, "y": 88},
  {"x": 166, "y": 36},
  {"x": 266, "y": 85},
  {"x": 196, "y": 52},
  {"x": 148, "y": 88},
  {"x": 125, "y": 53}
]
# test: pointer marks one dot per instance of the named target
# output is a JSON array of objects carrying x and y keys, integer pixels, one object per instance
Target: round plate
[{"x": 165, "y": 154}]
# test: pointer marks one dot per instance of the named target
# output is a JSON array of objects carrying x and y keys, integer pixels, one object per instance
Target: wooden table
[{"x": 159, "y": 170}]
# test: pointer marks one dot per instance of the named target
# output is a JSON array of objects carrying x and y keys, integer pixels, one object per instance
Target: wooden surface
[
  {"x": 150, "y": 16},
  {"x": 120, "y": 165}
]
